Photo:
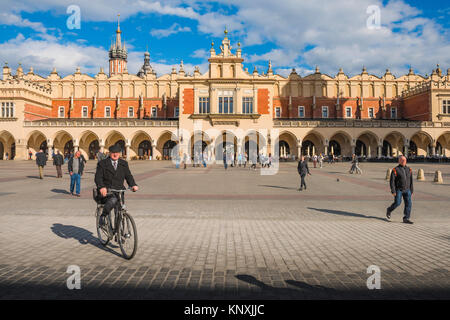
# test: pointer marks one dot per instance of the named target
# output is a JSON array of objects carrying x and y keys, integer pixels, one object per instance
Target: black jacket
[
  {"x": 302, "y": 168},
  {"x": 401, "y": 179},
  {"x": 41, "y": 159},
  {"x": 107, "y": 177},
  {"x": 58, "y": 160},
  {"x": 80, "y": 168}
]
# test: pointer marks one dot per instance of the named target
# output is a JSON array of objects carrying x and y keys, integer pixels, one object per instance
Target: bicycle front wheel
[
  {"x": 128, "y": 236},
  {"x": 102, "y": 231}
]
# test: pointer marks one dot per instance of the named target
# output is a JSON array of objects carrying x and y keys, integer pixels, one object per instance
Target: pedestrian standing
[
  {"x": 204, "y": 158},
  {"x": 184, "y": 160},
  {"x": 225, "y": 165},
  {"x": 30, "y": 154},
  {"x": 245, "y": 159},
  {"x": 58, "y": 161},
  {"x": 75, "y": 166},
  {"x": 321, "y": 160},
  {"x": 401, "y": 182},
  {"x": 303, "y": 170},
  {"x": 315, "y": 160},
  {"x": 6, "y": 156},
  {"x": 41, "y": 161},
  {"x": 270, "y": 160}
]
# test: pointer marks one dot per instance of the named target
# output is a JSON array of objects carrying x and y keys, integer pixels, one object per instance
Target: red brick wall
[
  {"x": 263, "y": 101},
  {"x": 418, "y": 107},
  {"x": 188, "y": 101},
  {"x": 121, "y": 113},
  {"x": 33, "y": 112}
]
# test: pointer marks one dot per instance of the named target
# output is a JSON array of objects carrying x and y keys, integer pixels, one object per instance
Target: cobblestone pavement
[{"x": 235, "y": 234}]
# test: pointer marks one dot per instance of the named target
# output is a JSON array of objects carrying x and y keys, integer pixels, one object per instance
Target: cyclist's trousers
[{"x": 109, "y": 203}]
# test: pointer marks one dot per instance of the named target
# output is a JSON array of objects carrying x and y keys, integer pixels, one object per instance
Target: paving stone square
[{"x": 210, "y": 233}]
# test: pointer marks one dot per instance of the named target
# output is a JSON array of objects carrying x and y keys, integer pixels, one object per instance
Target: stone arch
[
  {"x": 115, "y": 137},
  {"x": 286, "y": 145},
  {"x": 89, "y": 144},
  {"x": 444, "y": 142},
  {"x": 424, "y": 142},
  {"x": 7, "y": 145},
  {"x": 313, "y": 143},
  {"x": 393, "y": 144},
  {"x": 370, "y": 141},
  {"x": 225, "y": 143},
  {"x": 141, "y": 145},
  {"x": 63, "y": 141},
  {"x": 35, "y": 140},
  {"x": 200, "y": 142},
  {"x": 167, "y": 146},
  {"x": 340, "y": 144}
]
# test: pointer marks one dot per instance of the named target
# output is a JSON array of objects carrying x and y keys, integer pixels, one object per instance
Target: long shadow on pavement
[
  {"x": 307, "y": 290},
  {"x": 82, "y": 235},
  {"x": 278, "y": 187},
  {"x": 60, "y": 191},
  {"x": 346, "y": 213}
]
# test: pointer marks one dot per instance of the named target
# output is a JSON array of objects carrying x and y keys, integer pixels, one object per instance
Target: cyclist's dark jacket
[
  {"x": 401, "y": 179},
  {"x": 107, "y": 177}
]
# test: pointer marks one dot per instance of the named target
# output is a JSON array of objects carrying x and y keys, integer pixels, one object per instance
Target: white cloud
[{"x": 173, "y": 29}]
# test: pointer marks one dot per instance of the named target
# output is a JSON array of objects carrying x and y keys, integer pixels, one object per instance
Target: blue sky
[{"x": 292, "y": 33}]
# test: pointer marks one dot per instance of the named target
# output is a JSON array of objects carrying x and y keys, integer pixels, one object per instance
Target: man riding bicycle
[{"x": 110, "y": 174}]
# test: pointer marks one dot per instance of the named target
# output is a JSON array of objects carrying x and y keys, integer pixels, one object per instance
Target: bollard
[
  {"x": 438, "y": 177},
  {"x": 388, "y": 174},
  {"x": 420, "y": 175}
]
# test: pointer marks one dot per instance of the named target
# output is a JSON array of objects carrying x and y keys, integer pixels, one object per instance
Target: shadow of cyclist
[{"x": 82, "y": 235}]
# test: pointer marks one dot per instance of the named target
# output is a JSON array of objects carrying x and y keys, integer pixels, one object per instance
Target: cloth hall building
[{"x": 227, "y": 107}]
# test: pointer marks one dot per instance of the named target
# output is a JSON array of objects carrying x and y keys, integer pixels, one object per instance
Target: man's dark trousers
[
  {"x": 302, "y": 181},
  {"x": 398, "y": 200}
]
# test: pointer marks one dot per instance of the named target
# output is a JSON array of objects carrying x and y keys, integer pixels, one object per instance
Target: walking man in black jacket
[
  {"x": 302, "y": 169},
  {"x": 41, "y": 161},
  {"x": 58, "y": 161},
  {"x": 401, "y": 186},
  {"x": 111, "y": 174}
]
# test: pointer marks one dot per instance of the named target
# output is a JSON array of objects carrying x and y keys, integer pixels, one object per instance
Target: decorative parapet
[
  {"x": 100, "y": 123},
  {"x": 426, "y": 86},
  {"x": 359, "y": 124}
]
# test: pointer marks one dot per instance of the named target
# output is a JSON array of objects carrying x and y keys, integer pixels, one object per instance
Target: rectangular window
[
  {"x": 154, "y": 112},
  {"x": 11, "y": 112},
  {"x": 3, "y": 110},
  {"x": 203, "y": 105},
  {"x": 446, "y": 106},
  {"x": 225, "y": 102},
  {"x": 348, "y": 112},
  {"x": 393, "y": 113},
  {"x": 176, "y": 112},
  {"x": 277, "y": 112},
  {"x": 301, "y": 111},
  {"x": 107, "y": 112},
  {"x": 61, "y": 112},
  {"x": 130, "y": 112},
  {"x": 84, "y": 111},
  {"x": 324, "y": 112},
  {"x": 7, "y": 110},
  {"x": 371, "y": 113},
  {"x": 247, "y": 105}
]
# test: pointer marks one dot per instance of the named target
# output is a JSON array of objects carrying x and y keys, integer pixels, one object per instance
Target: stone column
[
  {"x": 299, "y": 148},
  {"x": 128, "y": 151},
  {"x": 353, "y": 149},
  {"x": 21, "y": 150},
  {"x": 433, "y": 150},
  {"x": 406, "y": 152},
  {"x": 326, "y": 150},
  {"x": 380, "y": 149}
]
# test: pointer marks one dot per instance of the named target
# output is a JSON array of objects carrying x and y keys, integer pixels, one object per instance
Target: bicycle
[{"x": 122, "y": 228}]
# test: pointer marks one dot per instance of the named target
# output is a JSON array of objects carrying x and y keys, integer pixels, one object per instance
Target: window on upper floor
[
  {"x": 324, "y": 112},
  {"x": 277, "y": 112},
  {"x": 446, "y": 107},
  {"x": 393, "y": 113},
  {"x": 348, "y": 112},
  {"x": 176, "y": 112},
  {"x": 130, "y": 112},
  {"x": 61, "y": 112},
  {"x": 225, "y": 102},
  {"x": 247, "y": 105},
  {"x": 8, "y": 110},
  {"x": 154, "y": 112},
  {"x": 203, "y": 105},
  {"x": 371, "y": 113},
  {"x": 107, "y": 112},
  {"x": 301, "y": 111},
  {"x": 84, "y": 112}
]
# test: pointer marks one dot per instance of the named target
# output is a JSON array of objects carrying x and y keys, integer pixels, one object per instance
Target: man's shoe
[
  {"x": 407, "y": 221},
  {"x": 77, "y": 195},
  {"x": 388, "y": 214}
]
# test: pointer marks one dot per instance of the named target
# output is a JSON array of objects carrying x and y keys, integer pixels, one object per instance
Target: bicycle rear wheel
[
  {"x": 128, "y": 236},
  {"x": 102, "y": 231}
]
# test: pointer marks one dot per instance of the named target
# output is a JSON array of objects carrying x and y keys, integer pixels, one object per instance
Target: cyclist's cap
[{"x": 115, "y": 148}]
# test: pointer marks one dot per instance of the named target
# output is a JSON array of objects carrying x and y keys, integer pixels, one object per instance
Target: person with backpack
[{"x": 401, "y": 182}]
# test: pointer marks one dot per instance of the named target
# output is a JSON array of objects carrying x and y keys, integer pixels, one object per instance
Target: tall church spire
[{"x": 117, "y": 53}]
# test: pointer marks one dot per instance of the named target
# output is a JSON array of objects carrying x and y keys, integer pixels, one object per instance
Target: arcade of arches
[{"x": 142, "y": 145}]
